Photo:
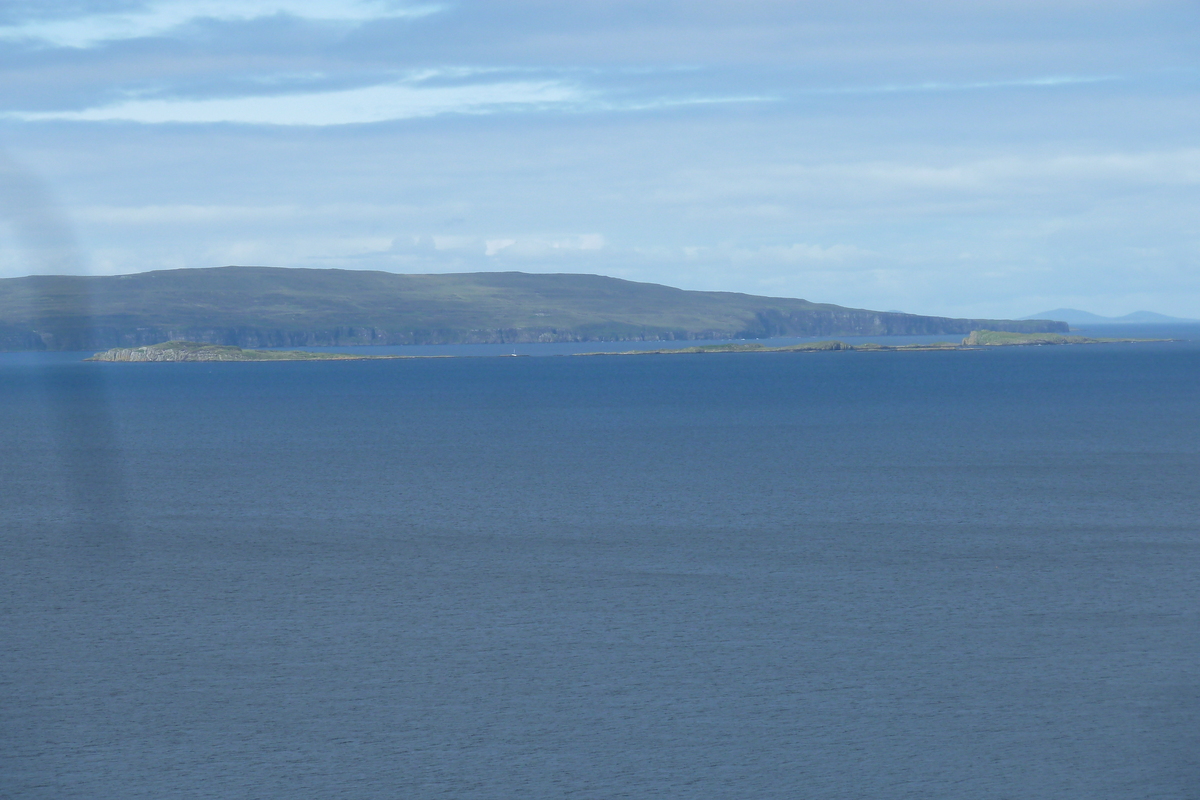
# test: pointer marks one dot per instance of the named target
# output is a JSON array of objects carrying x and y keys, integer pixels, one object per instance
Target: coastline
[{"x": 195, "y": 352}]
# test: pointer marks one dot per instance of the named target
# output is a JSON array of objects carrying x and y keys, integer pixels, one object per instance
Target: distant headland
[
  {"x": 1073, "y": 316},
  {"x": 254, "y": 307}
]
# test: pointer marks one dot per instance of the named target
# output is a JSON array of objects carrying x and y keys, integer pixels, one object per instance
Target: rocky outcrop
[
  {"x": 167, "y": 353},
  {"x": 199, "y": 351},
  {"x": 994, "y": 337}
]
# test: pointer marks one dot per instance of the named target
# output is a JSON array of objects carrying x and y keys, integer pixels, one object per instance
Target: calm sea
[{"x": 827, "y": 575}]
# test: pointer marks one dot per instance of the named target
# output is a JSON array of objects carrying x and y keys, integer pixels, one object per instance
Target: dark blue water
[{"x": 835, "y": 575}]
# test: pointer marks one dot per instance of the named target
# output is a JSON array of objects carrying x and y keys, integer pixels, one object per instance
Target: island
[{"x": 198, "y": 351}]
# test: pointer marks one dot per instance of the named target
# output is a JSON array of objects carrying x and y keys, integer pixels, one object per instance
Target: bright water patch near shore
[{"x": 969, "y": 574}]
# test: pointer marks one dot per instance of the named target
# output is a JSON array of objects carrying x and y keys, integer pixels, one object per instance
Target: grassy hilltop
[{"x": 280, "y": 307}]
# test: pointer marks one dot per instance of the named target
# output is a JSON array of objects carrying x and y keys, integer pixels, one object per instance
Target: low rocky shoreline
[{"x": 196, "y": 351}]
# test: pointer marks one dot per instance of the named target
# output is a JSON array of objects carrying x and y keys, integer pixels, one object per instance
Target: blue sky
[{"x": 984, "y": 158}]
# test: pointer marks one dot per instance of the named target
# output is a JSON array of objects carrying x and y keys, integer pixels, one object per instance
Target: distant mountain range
[
  {"x": 280, "y": 307},
  {"x": 1074, "y": 316}
]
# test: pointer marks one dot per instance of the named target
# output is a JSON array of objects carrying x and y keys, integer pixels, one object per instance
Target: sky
[{"x": 989, "y": 159}]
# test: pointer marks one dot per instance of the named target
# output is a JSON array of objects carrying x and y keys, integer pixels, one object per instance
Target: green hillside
[{"x": 272, "y": 306}]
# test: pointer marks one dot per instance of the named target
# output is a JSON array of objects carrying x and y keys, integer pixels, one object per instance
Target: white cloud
[
  {"x": 519, "y": 248},
  {"x": 1177, "y": 167},
  {"x": 541, "y": 247},
  {"x": 188, "y": 215},
  {"x": 455, "y": 242},
  {"x": 950, "y": 86},
  {"x": 802, "y": 253},
  {"x": 496, "y": 245},
  {"x": 184, "y": 214},
  {"x": 345, "y": 107},
  {"x": 158, "y": 18}
]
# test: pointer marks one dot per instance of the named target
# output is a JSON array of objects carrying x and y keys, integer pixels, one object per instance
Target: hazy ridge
[{"x": 1074, "y": 316}]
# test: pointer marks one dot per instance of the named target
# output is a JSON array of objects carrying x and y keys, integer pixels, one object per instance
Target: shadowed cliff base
[{"x": 281, "y": 307}]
